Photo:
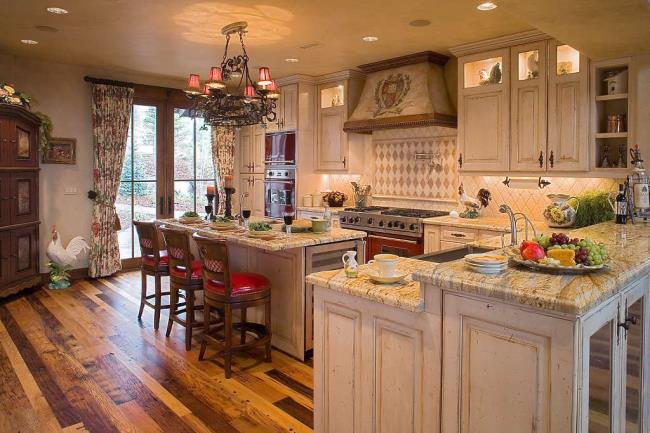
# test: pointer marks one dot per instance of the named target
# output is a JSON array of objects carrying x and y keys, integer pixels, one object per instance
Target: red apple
[
  {"x": 533, "y": 252},
  {"x": 525, "y": 245}
]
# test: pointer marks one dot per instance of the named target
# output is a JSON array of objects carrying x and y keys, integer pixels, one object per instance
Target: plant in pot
[{"x": 334, "y": 198}]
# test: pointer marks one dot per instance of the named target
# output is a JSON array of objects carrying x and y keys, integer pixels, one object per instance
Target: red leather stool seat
[
  {"x": 242, "y": 283},
  {"x": 179, "y": 271},
  {"x": 150, "y": 260}
]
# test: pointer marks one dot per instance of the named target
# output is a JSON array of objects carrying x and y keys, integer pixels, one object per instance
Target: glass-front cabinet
[{"x": 614, "y": 365}]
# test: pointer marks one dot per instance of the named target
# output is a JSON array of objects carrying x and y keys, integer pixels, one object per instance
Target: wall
[{"x": 60, "y": 92}]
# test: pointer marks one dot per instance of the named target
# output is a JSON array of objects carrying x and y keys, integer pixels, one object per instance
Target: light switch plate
[{"x": 71, "y": 190}]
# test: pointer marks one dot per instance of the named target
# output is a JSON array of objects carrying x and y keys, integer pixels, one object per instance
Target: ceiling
[{"x": 172, "y": 38}]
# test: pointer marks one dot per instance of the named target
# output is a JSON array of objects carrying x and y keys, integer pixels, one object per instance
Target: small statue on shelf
[
  {"x": 605, "y": 161},
  {"x": 473, "y": 206}
]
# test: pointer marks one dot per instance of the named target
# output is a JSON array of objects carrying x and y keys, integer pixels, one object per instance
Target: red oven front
[
  {"x": 386, "y": 244},
  {"x": 280, "y": 148}
]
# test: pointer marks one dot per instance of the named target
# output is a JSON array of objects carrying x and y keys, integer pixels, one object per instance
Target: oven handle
[
  {"x": 386, "y": 238},
  {"x": 278, "y": 162},
  {"x": 279, "y": 181}
]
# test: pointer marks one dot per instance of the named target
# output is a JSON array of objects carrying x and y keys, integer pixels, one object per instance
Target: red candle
[
  {"x": 227, "y": 181},
  {"x": 210, "y": 189}
]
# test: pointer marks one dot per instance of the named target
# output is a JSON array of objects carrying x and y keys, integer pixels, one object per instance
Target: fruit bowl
[{"x": 556, "y": 269}]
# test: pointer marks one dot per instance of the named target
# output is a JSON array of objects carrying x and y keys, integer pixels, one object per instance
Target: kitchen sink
[{"x": 449, "y": 255}]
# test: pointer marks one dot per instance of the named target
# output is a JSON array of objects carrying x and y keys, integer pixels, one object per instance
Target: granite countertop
[
  {"x": 493, "y": 223},
  {"x": 405, "y": 295},
  {"x": 628, "y": 247},
  {"x": 280, "y": 243}
]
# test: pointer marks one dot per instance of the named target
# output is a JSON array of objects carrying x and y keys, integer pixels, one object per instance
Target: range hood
[{"x": 404, "y": 92}]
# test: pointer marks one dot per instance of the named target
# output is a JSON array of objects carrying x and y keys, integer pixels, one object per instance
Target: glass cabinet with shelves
[{"x": 483, "y": 72}]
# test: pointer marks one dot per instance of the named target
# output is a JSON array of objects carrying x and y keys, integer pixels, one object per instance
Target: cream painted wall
[{"x": 60, "y": 92}]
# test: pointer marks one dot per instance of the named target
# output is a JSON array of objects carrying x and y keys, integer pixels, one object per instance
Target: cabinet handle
[
  {"x": 458, "y": 235},
  {"x": 460, "y": 161},
  {"x": 631, "y": 319},
  {"x": 541, "y": 159},
  {"x": 345, "y": 161},
  {"x": 551, "y": 158}
]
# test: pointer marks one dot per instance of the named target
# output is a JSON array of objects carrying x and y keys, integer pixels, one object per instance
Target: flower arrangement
[{"x": 9, "y": 95}]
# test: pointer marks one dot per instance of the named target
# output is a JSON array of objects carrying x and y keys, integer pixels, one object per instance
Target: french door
[{"x": 167, "y": 168}]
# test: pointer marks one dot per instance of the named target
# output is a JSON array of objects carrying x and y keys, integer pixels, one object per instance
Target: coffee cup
[{"x": 386, "y": 264}]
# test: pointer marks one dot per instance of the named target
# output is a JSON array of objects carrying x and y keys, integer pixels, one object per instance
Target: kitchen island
[
  {"x": 456, "y": 351},
  {"x": 285, "y": 261}
]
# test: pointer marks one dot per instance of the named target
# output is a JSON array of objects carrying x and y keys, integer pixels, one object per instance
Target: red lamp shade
[
  {"x": 273, "y": 91},
  {"x": 249, "y": 92},
  {"x": 193, "y": 85},
  {"x": 216, "y": 79},
  {"x": 206, "y": 90},
  {"x": 264, "y": 77}
]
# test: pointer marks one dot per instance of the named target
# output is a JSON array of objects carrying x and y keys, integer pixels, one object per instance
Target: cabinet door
[
  {"x": 635, "y": 366},
  {"x": 600, "y": 382},
  {"x": 24, "y": 197},
  {"x": 506, "y": 369},
  {"x": 483, "y": 112},
  {"x": 289, "y": 101},
  {"x": 246, "y": 149},
  {"x": 568, "y": 109},
  {"x": 528, "y": 107},
  {"x": 5, "y": 251},
  {"x": 24, "y": 252},
  {"x": 5, "y": 199},
  {"x": 257, "y": 194},
  {"x": 259, "y": 134},
  {"x": 431, "y": 239},
  {"x": 22, "y": 150},
  {"x": 332, "y": 146}
]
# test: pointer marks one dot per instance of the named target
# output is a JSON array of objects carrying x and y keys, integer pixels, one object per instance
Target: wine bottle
[{"x": 621, "y": 206}]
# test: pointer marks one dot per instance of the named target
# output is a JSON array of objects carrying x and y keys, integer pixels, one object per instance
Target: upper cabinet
[
  {"x": 251, "y": 149},
  {"x": 18, "y": 138},
  {"x": 523, "y": 106},
  {"x": 286, "y": 108}
]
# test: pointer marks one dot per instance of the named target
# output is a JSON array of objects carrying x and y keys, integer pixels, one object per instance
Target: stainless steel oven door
[{"x": 278, "y": 197}]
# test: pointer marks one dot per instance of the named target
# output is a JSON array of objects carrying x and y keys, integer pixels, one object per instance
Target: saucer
[{"x": 374, "y": 276}]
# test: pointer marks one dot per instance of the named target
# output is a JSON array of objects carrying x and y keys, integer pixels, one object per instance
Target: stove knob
[
  {"x": 413, "y": 227},
  {"x": 357, "y": 219},
  {"x": 390, "y": 224},
  {"x": 370, "y": 220},
  {"x": 381, "y": 223},
  {"x": 343, "y": 219},
  {"x": 402, "y": 226},
  {"x": 286, "y": 173}
]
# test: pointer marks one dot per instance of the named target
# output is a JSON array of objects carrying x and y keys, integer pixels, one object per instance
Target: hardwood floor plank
[
  {"x": 296, "y": 410},
  {"x": 291, "y": 383},
  {"x": 133, "y": 411}
]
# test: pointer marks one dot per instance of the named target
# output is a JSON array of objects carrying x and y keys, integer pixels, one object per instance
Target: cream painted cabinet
[
  {"x": 483, "y": 111},
  {"x": 251, "y": 149},
  {"x": 445, "y": 237},
  {"x": 568, "y": 109},
  {"x": 332, "y": 152},
  {"x": 253, "y": 185},
  {"x": 289, "y": 110},
  {"x": 528, "y": 107},
  {"x": 377, "y": 368},
  {"x": 431, "y": 238}
]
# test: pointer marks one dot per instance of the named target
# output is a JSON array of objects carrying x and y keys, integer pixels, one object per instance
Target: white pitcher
[{"x": 350, "y": 265}]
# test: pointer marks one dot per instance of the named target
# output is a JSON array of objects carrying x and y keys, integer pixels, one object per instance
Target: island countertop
[
  {"x": 627, "y": 245},
  {"x": 405, "y": 295},
  {"x": 282, "y": 242}
]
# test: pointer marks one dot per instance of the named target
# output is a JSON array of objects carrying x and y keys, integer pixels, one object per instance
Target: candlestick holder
[
  {"x": 228, "y": 211},
  {"x": 209, "y": 210}
]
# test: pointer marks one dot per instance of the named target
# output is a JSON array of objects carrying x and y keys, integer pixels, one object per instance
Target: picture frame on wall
[{"x": 61, "y": 151}]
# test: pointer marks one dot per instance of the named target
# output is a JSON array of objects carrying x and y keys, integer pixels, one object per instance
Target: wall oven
[
  {"x": 279, "y": 190},
  {"x": 280, "y": 148},
  {"x": 381, "y": 243}
]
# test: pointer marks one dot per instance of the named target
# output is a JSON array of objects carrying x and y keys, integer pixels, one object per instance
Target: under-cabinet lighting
[{"x": 526, "y": 182}]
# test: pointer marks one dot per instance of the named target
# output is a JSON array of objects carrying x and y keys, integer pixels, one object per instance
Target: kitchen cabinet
[
  {"x": 483, "y": 111},
  {"x": 289, "y": 107},
  {"x": 253, "y": 185},
  {"x": 431, "y": 239},
  {"x": 440, "y": 237},
  {"x": 251, "y": 149}
]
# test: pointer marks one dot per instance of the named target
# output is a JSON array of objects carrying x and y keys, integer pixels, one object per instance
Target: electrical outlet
[{"x": 71, "y": 190}]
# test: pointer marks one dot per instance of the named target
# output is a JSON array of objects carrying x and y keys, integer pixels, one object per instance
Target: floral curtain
[
  {"x": 223, "y": 155},
  {"x": 111, "y": 111}
]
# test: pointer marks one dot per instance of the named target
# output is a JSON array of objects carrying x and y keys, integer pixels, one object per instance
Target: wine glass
[
  {"x": 245, "y": 209},
  {"x": 288, "y": 219}
]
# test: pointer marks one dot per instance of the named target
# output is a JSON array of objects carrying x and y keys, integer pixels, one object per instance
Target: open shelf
[
  {"x": 611, "y": 135},
  {"x": 620, "y": 96},
  {"x": 483, "y": 72}
]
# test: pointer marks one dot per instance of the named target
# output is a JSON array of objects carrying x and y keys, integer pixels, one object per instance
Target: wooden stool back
[
  {"x": 215, "y": 262},
  {"x": 149, "y": 239},
  {"x": 178, "y": 250}
]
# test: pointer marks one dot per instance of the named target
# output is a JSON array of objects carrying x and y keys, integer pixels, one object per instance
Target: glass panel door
[
  {"x": 634, "y": 360},
  {"x": 136, "y": 198},
  {"x": 193, "y": 164}
]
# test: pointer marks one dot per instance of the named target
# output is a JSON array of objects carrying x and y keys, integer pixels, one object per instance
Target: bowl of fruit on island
[
  {"x": 223, "y": 223},
  {"x": 190, "y": 217},
  {"x": 260, "y": 231},
  {"x": 560, "y": 254}
]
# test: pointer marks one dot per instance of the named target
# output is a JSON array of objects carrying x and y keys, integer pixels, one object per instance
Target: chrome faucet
[{"x": 514, "y": 218}]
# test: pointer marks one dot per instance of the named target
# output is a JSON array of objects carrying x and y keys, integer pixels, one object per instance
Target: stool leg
[
  {"x": 158, "y": 304},
  {"x": 143, "y": 295},
  {"x": 243, "y": 326},
  {"x": 173, "y": 300},
  {"x": 267, "y": 323},
  {"x": 227, "y": 334},
  {"x": 189, "y": 318},
  {"x": 206, "y": 328}
]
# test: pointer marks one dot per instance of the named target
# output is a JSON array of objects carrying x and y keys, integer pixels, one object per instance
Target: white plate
[
  {"x": 488, "y": 270},
  {"x": 374, "y": 276},
  {"x": 476, "y": 259}
]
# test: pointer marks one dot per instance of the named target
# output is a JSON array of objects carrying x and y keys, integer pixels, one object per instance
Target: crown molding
[
  {"x": 294, "y": 79},
  {"x": 409, "y": 59},
  {"x": 346, "y": 74},
  {"x": 500, "y": 42}
]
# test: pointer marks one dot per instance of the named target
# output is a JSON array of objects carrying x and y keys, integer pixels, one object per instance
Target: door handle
[
  {"x": 170, "y": 206},
  {"x": 162, "y": 205},
  {"x": 460, "y": 161},
  {"x": 386, "y": 238}
]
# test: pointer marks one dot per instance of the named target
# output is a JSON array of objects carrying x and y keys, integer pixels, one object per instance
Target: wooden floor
[{"x": 78, "y": 360}]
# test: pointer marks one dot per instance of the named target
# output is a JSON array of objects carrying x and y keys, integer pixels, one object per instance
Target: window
[
  {"x": 136, "y": 198},
  {"x": 193, "y": 164}
]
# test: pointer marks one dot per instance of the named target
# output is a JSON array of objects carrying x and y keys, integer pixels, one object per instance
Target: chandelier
[{"x": 247, "y": 102}]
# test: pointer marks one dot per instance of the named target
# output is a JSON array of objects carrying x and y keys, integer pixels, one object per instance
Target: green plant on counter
[{"x": 594, "y": 208}]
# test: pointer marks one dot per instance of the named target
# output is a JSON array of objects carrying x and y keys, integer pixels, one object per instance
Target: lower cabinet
[
  {"x": 378, "y": 367},
  {"x": 253, "y": 185},
  {"x": 18, "y": 258},
  {"x": 437, "y": 238}
]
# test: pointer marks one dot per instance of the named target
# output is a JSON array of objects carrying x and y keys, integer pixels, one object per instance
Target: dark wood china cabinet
[{"x": 18, "y": 199}]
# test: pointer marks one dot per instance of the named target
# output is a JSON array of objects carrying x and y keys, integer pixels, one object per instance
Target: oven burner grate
[
  {"x": 414, "y": 213},
  {"x": 366, "y": 209}
]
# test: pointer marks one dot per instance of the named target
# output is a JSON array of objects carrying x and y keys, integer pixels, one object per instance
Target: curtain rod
[{"x": 108, "y": 82}]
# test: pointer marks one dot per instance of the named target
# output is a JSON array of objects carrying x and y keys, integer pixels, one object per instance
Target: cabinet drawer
[{"x": 460, "y": 235}]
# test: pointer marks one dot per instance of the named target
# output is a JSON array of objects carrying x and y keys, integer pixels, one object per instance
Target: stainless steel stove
[{"x": 390, "y": 230}]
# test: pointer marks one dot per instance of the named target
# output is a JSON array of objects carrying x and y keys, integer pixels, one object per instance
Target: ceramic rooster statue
[{"x": 61, "y": 259}]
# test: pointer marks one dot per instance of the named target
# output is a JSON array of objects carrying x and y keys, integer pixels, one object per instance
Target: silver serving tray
[{"x": 570, "y": 270}]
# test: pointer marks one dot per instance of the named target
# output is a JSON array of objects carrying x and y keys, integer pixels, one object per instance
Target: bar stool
[
  {"x": 184, "y": 274},
  {"x": 229, "y": 291},
  {"x": 154, "y": 262}
]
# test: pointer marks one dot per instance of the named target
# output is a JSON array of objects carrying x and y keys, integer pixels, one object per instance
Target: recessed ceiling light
[
  {"x": 420, "y": 23},
  {"x": 58, "y": 11},
  {"x": 29, "y": 41},
  {"x": 487, "y": 6},
  {"x": 370, "y": 38},
  {"x": 291, "y": 60}
]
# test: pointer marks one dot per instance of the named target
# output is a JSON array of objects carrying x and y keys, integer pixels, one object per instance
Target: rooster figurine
[{"x": 61, "y": 259}]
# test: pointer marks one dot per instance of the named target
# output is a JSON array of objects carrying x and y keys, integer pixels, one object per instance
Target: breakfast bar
[
  {"x": 285, "y": 260},
  {"x": 521, "y": 351}
]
